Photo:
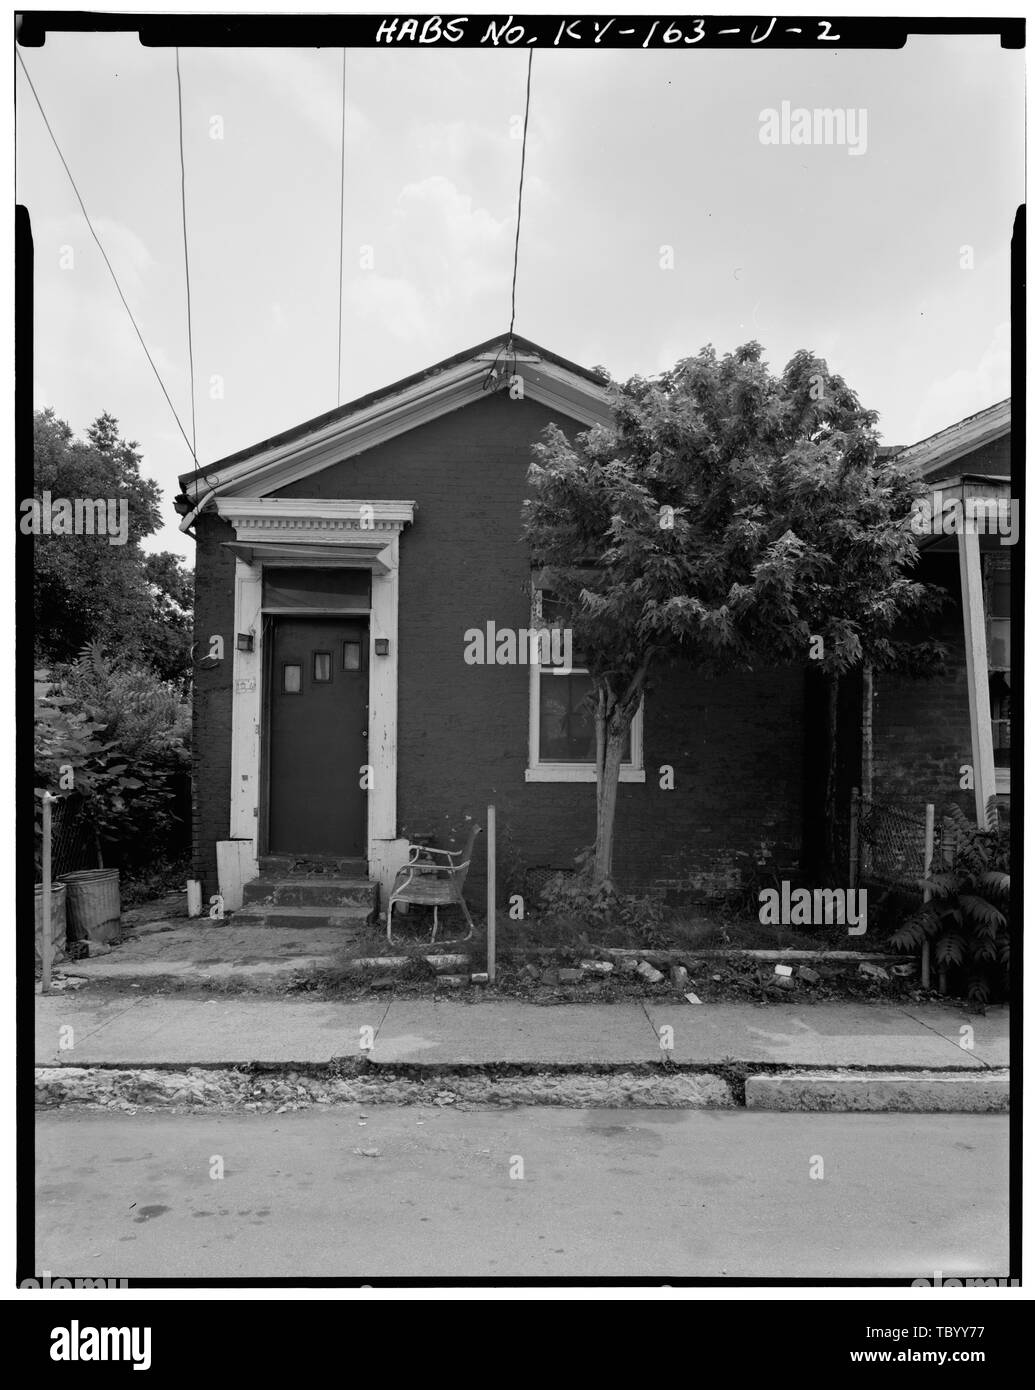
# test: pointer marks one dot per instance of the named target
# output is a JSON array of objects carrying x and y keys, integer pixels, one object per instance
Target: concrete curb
[
  {"x": 919, "y": 1092},
  {"x": 295, "y": 1088}
]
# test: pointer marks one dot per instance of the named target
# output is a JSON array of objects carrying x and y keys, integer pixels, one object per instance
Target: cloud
[
  {"x": 967, "y": 391},
  {"x": 452, "y": 249},
  {"x": 389, "y": 303},
  {"x": 441, "y": 253},
  {"x": 309, "y": 81}
]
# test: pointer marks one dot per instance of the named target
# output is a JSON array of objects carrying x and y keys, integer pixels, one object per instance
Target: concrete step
[
  {"x": 309, "y": 865},
  {"x": 310, "y": 891},
  {"x": 351, "y": 916}
]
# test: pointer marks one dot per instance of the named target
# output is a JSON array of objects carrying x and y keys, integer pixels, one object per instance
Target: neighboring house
[
  {"x": 345, "y": 562},
  {"x": 928, "y": 733}
]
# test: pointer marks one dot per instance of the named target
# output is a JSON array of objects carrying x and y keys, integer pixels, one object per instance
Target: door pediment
[{"x": 301, "y": 530}]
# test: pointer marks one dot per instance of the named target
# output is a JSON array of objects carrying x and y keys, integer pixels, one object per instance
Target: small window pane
[
  {"x": 321, "y": 667},
  {"x": 352, "y": 656},
  {"x": 567, "y": 729},
  {"x": 292, "y": 680}
]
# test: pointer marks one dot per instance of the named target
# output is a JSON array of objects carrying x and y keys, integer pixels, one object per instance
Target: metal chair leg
[
  {"x": 470, "y": 923},
  {"x": 434, "y": 925},
  {"x": 390, "y": 903}
]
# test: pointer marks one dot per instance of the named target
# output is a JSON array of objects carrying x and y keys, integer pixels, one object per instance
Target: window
[
  {"x": 562, "y": 726},
  {"x": 292, "y": 679},
  {"x": 352, "y": 654},
  {"x": 997, "y": 637},
  {"x": 321, "y": 667}
]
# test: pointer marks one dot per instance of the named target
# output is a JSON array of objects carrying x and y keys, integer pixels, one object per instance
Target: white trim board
[
  {"x": 281, "y": 464},
  {"x": 381, "y": 552}
]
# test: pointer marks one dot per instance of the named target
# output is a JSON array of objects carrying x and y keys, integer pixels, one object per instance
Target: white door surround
[{"x": 291, "y": 532}]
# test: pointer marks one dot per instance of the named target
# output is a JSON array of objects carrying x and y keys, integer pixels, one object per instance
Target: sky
[{"x": 858, "y": 257}]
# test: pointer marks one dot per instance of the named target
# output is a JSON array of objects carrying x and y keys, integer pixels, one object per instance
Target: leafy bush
[
  {"x": 967, "y": 919},
  {"x": 573, "y": 897},
  {"x": 121, "y": 733}
]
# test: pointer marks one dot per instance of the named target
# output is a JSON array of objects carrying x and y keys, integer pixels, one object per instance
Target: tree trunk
[
  {"x": 830, "y": 788},
  {"x": 607, "y": 803}
]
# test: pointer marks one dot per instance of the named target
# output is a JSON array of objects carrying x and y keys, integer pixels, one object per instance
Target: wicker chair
[{"x": 435, "y": 878}]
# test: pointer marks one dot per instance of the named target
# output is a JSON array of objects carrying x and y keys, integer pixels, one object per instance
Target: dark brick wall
[
  {"x": 921, "y": 728},
  {"x": 735, "y": 745},
  {"x": 213, "y": 686}
]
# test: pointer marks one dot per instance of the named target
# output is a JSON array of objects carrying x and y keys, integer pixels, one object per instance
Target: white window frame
[
  {"x": 1002, "y": 774},
  {"x": 541, "y": 771}
]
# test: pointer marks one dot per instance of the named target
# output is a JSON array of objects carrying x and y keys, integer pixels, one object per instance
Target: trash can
[
  {"x": 94, "y": 905},
  {"x": 57, "y": 922}
]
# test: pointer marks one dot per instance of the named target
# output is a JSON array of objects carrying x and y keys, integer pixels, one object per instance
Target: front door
[{"x": 317, "y": 686}]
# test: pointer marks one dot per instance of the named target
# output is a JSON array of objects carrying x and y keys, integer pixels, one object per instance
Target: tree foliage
[
  {"x": 84, "y": 588},
  {"x": 112, "y": 736},
  {"x": 728, "y": 517}
]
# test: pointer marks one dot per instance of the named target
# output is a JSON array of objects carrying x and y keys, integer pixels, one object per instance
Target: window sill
[{"x": 577, "y": 772}]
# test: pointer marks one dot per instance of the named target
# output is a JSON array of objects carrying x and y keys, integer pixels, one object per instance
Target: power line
[
  {"x": 104, "y": 254},
  {"x": 341, "y": 222},
  {"x": 186, "y": 262},
  {"x": 521, "y": 189}
]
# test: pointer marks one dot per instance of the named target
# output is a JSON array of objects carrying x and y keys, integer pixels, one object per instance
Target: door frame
[
  {"x": 248, "y": 700},
  {"x": 270, "y": 617}
]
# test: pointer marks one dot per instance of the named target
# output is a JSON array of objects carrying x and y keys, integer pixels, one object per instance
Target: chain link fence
[{"x": 73, "y": 839}]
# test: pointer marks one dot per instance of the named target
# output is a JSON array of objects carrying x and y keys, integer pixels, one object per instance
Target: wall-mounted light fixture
[
  {"x": 381, "y": 646},
  {"x": 245, "y": 642}
]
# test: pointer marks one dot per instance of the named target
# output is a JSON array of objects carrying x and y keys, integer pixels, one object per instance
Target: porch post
[
  {"x": 386, "y": 854},
  {"x": 247, "y": 696},
  {"x": 977, "y": 672}
]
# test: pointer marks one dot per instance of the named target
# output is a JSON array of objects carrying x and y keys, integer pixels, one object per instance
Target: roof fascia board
[
  {"x": 551, "y": 385},
  {"x": 954, "y": 443}
]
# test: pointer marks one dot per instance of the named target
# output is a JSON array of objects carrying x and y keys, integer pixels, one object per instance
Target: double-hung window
[{"x": 562, "y": 744}]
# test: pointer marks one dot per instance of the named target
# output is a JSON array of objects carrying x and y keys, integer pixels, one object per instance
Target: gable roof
[
  {"x": 371, "y": 419},
  {"x": 958, "y": 440}
]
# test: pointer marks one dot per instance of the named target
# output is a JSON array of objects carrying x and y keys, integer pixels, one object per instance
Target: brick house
[
  {"x": 342, "y": 563},
  {"x": 925, "y": 732}
]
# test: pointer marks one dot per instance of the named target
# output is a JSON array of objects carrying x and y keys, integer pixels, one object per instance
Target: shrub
[
  {"x": 573, "y": 897},
  {"x": 122, "y": 732},
  {"x": 967, "y": 919}
]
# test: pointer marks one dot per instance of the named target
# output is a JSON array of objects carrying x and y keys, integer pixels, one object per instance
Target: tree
[
  {"x": 86, "y": 589},
  {"x": 730, "y": 518}
]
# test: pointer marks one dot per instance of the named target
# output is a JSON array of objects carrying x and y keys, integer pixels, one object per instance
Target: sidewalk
[{"x": 171, "y": 1031}]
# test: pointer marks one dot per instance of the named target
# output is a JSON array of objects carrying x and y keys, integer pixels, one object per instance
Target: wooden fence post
[
  {"x": 45, "y": 907},
  {"x": 490, "y": 918},
  {"x": 925, "y": 950},
  {"x": 853, "y": 840}
]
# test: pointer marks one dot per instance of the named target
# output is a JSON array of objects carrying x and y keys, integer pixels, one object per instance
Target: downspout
[{"x": 191, "y": 516}]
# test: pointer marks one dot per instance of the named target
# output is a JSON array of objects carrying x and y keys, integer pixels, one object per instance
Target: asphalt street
[{"x": 423, "y": 1191}]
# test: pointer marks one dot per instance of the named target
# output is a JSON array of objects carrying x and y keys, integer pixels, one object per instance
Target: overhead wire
[
  {"x": 521, "y": 190},
  {"x": 341, "y": 224},
  {"x": 104, "y": 254},
  {"x": 497, "y": 377},
  {"x": 186, "y": 259}
]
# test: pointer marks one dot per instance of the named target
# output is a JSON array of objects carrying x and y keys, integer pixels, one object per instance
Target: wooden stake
[
  {"x": 925, "y": 952},
  {"x": 490, "y": 919},
  {"x": 45, "y": 906}
]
